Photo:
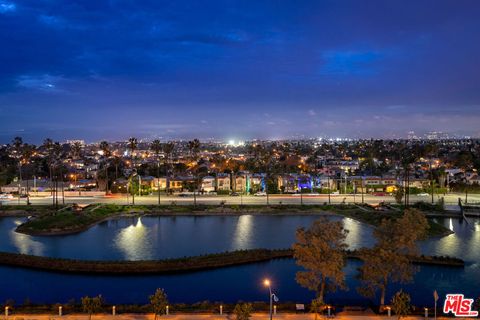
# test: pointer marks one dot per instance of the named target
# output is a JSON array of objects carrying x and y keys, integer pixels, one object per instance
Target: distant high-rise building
[
  {"x": 411, "y": 135},
  {"x": 437, "y": 135},
  {"x": 82, "y": 142}
]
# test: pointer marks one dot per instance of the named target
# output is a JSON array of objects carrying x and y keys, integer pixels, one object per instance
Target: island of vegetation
[
  {"x": 178, "y": 265},
  {"x": 72, "y": 219}
]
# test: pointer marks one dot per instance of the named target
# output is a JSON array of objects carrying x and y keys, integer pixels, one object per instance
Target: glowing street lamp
[{"x": 272, "y": 295}]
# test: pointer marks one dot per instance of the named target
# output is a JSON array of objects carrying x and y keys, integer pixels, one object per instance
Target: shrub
[
  {"x": 401, "y": 303},
  {"x": 243, "y": 311}
]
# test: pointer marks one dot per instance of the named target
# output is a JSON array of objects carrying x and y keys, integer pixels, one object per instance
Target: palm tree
[
  {"x": 48, "y": 145},
  {"x": 116, "y": 160},
  {"x": 156, "y": 147},
  {"x": 17, "y": 146},
  {"x": 76, "y": 150},
  {"x": 168, "y": 149},
  {"x": 407, "y": 160},
  {"x": 194, "y": 147},
  {"x": 55, "y": 156},
  {"x": 105, "y": 147},
  {"x": 27, "y": 154},
  {"x": 267, "y": 158},
  {"x": 132, "y": 145},
  {"x": 431, "y": 150}
]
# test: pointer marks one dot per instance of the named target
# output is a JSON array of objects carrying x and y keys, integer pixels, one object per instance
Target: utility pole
[
  {"x": 328, "y": 179},
  {"x": 431, "y": 179},
  {"x": 363, "y": 189}
]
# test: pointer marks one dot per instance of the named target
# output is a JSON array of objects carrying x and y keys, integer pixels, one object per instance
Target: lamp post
[
  {"x": 273, "y": 297},
  {"x": 268, "y": 285}
]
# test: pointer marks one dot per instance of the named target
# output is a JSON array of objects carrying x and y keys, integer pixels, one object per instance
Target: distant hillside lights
[{"x": 234, "y": 143}]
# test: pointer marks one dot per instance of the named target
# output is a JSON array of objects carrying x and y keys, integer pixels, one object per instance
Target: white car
[
  {"x": 260, "y": 194},
  {"x": 424, "y": 194},
  {"x": 6, "y": 196}
]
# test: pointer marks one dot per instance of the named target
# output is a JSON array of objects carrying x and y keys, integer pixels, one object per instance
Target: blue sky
[{"x": 238, "y": 69}]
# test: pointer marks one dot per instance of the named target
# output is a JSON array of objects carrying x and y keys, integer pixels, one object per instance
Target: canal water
[{"x": 171, "y": 237}]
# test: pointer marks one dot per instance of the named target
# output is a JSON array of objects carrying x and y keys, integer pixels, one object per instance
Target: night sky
[{"x": 238, "y": 69}]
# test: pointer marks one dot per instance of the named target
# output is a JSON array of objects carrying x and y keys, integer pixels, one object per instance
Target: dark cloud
[{"x": 329, "y": 67}]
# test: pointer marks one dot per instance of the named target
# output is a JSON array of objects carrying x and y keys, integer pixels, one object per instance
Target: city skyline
[{"x": 246, "y": 70}]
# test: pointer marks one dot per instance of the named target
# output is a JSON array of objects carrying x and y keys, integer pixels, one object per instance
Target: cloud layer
[{"x": 109, "y": 69}]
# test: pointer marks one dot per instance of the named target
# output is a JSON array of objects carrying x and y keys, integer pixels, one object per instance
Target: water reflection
[
  {"x": 24, "y": 243},
  {"x": 134, "y": 241},
  {"x": 353, "y": 237},
  {"x": 242, "y": 236},
  {"x": 451, "y": 224}
]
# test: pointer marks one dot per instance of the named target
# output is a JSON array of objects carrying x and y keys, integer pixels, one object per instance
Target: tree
[
  {"x": 91, "y": 305},
  {"x": 321, "y": 251},
  {"x": 132, "y": 144},
  {"x": 267, "y": 160},
  {"x": 117, "y": 161},
  {"x": 316, "y": 307},
  {"x": 401, "y": 303},
  {"x": 194, "y": 147},
  {"x": 406, "y": 161},
  {"x": 105, "y": 147},
  {"x": 55, "y": 162},
  {"x": 243, "y": 311},
  {"x": 168, "y": 149},
  {"x": 48, "y": 146},
  {"x": 388, "y": 261},
  {"x": 156, "y": 147},
  {"x": 17, "y": 148},
  {"x": 27, "y": 153},
  {"x": 159, "y": 302},
  {"x": 399, "y": 195},
  {"x": 76, "y": 149}
]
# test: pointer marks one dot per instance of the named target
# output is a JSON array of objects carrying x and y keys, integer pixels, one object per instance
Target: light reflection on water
[
  {"x": 25, "y": 243},
  {"x": 171, "y": 237},
  {"x": 464, "y": 243},
  {"x": 161, "y": 237},
  {"x": 134, "y": 241},
  {"x": 242, "y": 236},
  {"x": 354, "y": 232}
]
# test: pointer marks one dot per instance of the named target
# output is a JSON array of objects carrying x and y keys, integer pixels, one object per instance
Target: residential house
[
  {"x": 287, "y": 183},
  {"x": 241, "y": 182},
  {"x": 208, "y": 184},
  {"x": 257, "y": 182},
  {"x": 223, "y": 182},
  {"x": 159, "y": 184}
]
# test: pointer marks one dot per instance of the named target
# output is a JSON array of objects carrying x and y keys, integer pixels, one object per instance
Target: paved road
[
  {"x": 451, "y": 200},
  {"x": 256, "y": 316}
]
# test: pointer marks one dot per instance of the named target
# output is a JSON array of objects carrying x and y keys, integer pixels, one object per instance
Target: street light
[
  {"x": 272, "y": 295},
  {"x": 267, "y": 284}
]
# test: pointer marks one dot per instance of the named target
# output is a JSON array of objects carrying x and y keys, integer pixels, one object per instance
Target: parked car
[
  {"x": 234, "y": 194},
  {"x": 6, "y": 196},
  {"x": 423, "y": 194},
  {"x": 260, "y": 194}
]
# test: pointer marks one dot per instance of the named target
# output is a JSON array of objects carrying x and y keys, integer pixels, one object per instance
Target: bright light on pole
[
  {"x": 272, "y": 296},
  {"x": 267, "y": 284}
]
